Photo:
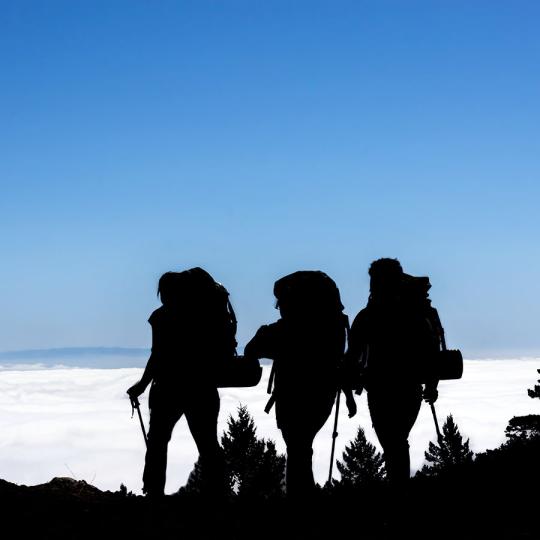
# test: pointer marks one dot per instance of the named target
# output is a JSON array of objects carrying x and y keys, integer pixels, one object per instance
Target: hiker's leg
[
  {"x": 202, "y": 410},
  {"x": 397, "y": 460},
  {"x": 163, "y": 417},
  {"x": 409, "y": 409},
  {"x": 393, "y": 414},
  {"x": 299, "y": 469},
  {"x": 299, "y": 426},
  {"x": 385, "y": 413}
]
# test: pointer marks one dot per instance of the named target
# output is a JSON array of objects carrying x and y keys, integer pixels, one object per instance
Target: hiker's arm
[
  {"x": 431, "y": 351},
  {"x": 149, "y": 371},
  {"x": 353, "y": 362},
  {"x": 430, "y": 392},
  {"x": 260, "y": 345},
  {"x": 251, "y": 351},
  {"x": 350, "y": 402},
  {"x": 355, "y": 342},
  {"x": 139, "y": 387}
]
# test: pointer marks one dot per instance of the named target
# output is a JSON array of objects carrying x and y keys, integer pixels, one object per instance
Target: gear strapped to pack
[{"x": 448, "y": 363}]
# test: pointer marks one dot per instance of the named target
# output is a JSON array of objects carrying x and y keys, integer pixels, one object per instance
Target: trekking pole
[
  {"x": 136, "y": 405},
  {"x": 439, "y": 435},
  {"x": 334, "y": 436}
]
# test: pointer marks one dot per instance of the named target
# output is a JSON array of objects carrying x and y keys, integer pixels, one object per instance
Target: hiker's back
[
  {"x": 192, "y": 335},
  {"x": 399, "y": 338},
  {"x": 306, "y": 353},
  {"x": 308, "y": 341},
  {"x": 176, "y": 346}
]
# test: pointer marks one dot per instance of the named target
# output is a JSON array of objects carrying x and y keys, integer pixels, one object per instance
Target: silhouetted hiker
[
  {"x": 192, "y": 332},
  {"x": 306, "y": 344},
  {"x": 395, "y": 344}
]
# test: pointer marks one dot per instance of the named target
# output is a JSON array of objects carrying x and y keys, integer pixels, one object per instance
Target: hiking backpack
[
  {"x": 212, "y": 299},
  {"x": 207, "y": 298},
  {"x": 309, "y": 292},
  {"x": 205, "y": 295}
]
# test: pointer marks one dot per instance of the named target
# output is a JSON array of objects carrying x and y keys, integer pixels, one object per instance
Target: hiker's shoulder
[
  {"x": 362, "y": 317},
  {"x": 158, "y": 316},
  {"x": 268, "y": 331}
]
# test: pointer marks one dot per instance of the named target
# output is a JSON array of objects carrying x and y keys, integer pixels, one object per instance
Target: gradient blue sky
[{"x": 257, "y": 138}]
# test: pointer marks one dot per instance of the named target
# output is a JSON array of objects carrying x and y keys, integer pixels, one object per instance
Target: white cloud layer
[{"x": 76, "y": 422}]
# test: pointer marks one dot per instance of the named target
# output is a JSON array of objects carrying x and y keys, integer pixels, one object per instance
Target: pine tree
[
  {"x": 449, "y": 453},
  {"x": 523, "y": 428},
  {"x": 535, "y": 391},
  {"x": 253, "y": 465},
  {"x": 361, "y": 463}
]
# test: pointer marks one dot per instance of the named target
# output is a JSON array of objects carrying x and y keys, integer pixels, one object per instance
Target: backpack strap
[
  {"x": 234, "y": 322},
  {"x": 232, "y": 313},
  {"x": 439, "y": 328}
]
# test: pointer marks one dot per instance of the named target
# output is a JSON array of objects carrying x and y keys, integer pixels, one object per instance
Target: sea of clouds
[{"x": 77, "y": 421}]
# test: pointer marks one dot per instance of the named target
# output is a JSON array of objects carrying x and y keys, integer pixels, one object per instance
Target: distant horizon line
[{"x": 55, "y": 352}]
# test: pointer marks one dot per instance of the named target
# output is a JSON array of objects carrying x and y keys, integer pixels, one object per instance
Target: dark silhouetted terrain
[{"x": 482, "y": 504}]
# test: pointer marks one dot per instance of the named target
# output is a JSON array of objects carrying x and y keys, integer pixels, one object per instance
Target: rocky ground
[{"x": 66, "y": 508}]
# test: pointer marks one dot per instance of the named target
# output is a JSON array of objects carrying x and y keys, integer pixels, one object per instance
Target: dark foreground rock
[{"x": 65, "y": 508}]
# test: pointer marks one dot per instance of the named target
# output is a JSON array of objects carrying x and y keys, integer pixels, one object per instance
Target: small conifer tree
[
  {"x": 361, "y": 463},
  {"x": 450, "y": 452},
  {"x": 535, "y": 391},
  {"x": 253, "y": 465}
]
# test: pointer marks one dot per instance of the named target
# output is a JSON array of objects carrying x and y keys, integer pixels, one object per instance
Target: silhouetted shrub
[
  {"x": 515, "y": 465},
  {"x": 521, "y": 428}
]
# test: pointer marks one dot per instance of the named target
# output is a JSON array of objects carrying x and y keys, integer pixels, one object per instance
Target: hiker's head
[
  {"x": 307, "y": 294},
  {"x": 293, "y": 305},
  {"x": 168, "y": 287},
  {"x": 198, "y": 289},
  {"x": 292, "y": 297},
  {"x": 386, "y": 277}
]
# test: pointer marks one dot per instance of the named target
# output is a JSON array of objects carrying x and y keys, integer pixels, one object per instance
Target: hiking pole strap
[
  {"x": 142, "y": 427},
  {"x": 439, "y": 435},
  {"x": 334, "y": 436},
  {"x": 270, "y": 389},
  {"x": 270, "y": 386},
  {"x": 270, "y": 404}
]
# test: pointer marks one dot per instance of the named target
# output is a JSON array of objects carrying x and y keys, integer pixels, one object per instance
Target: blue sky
[{"x": 257, "y": 138}]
